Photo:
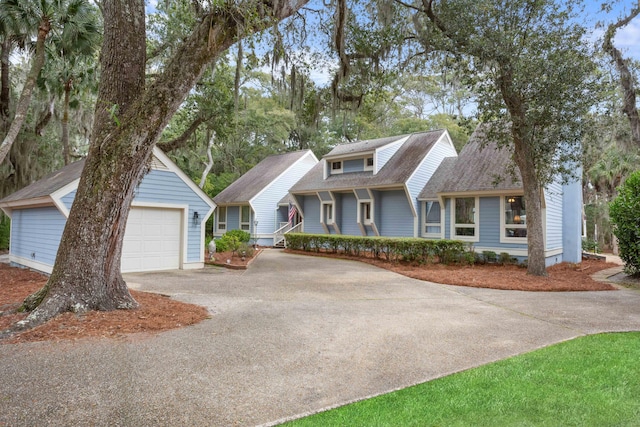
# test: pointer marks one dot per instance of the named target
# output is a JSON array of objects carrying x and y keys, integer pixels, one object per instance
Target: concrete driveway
[{"x": 289, "y": 336}]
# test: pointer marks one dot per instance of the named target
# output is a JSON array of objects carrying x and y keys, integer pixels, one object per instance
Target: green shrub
[
  {"x": 241, "y": 235},
  {"x": 5, "y": 225},
  {"x": 505, "y": 258},
  {"x": 624, "y": 212},
  {"x": 590, "y": 245},
  {"x": 245, "y": 249}
]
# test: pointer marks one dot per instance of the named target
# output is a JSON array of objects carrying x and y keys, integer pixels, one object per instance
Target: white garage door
[{"x": 152, "y": 240}]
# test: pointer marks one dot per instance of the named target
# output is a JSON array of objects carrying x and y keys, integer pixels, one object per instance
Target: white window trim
[
  {"x": 366, "y": 167},
  {"x": 245, "y": 223},
  {"x": 504, "y": 225},
  {"x": 323, "y": 210},
  {"x": 476, "y": 217},
  {"x": 333, "y": 171},
  {"x": 218, "y": 222},
  {"x": 439, "y": 235},
  {"x": 360, "y": 213}
]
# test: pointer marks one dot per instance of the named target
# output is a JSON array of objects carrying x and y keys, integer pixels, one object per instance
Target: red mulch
[{"x": 561, "y": 277}]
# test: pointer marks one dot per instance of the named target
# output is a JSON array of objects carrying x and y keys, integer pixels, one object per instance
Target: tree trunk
[
  {"x": 524, "y": 159},
  {"x": 128, "y": 123},
  {"x": 626, "y": 78},
  {"x": 27, "y": 91},
  {"x": 65, "y": 123},
  {"x": 4, "y": 83}
]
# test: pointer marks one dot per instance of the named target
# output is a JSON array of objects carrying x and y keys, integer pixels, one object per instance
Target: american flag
[{"x": 292, "y": 212}]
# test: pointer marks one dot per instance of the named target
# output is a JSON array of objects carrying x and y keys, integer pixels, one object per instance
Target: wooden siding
[
  {"x": 166, "y": 187},
  {"x": 355, "y": 165},
  {"x": 349, "y": 215},
  {"x": 266, "y": 202},
  {"x": 425, "y": 170},
  {"x": 36, "y": 233},
  {"x": 311, "y": 209},
  {"x": 384, "y": 154},
  {"x": 553, "y": 198},
  {"x": 396, "y": 217},
  {"x": 572, "y": 222},
  {"x": 490, "y": 228}
]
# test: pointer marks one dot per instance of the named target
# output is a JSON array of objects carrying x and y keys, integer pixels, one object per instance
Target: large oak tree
[{"x": 128, "y": 122}]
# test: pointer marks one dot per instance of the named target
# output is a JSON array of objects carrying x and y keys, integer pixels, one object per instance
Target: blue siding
[
  {"x": 377, "y": 209},
  {"x": 553, "y": 198},
  {"x": 447, "y": 218},
  {"x": 572, "y": 222},
  {"x": 311, "y": 209},
  {"x": 490, "y": 225},
  {"x": 282, "y": 215},
  {"x": 265, "y": 204},
  {"x": 425, "y": 170},
  {"x": 36, "y": 233},
  {"x": 166, "y": 187},
  {"x": 68, "y": 199},
  {"x": 349, "y": 216},
  {"x": 233, "y": 217},
  {"x": 396, "y": 216},
  {"x": 356, "y": 165},
  {"x": 384, "y": 154}
]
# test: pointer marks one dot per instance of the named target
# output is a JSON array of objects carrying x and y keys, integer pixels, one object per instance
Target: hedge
[
  {"x": 389, "y": 248},
  {"x": 624, "y": 212}
]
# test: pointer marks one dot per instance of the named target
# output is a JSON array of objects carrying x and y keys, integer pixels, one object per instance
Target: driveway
[{"x": 289, "y": 336}]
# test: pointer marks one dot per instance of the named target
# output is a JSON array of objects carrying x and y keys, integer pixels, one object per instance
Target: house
[
  {"x": 254, "y": 202},
  {"x": 165, "y": 227},
  {"x": 477, "y": 197},
  {"x": 371, "y": 188}
]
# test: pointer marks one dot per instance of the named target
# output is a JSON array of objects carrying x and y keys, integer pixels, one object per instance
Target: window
[
  {"x": 432, "y": 219},
  {"x": 465, "y": 224},
  {"x": 222, "y": 219},
  {"x": 365, "y": 209},
  {"x": 327, "y": 211},
  {"x": 514, "y": 218},
  {"x": 368, "y": 163},
  {"x": 245, "y": 218},
  {"x": 336, "y": 167}
]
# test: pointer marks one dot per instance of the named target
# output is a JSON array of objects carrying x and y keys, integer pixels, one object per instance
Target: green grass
[{"x": 589, "y": 381}]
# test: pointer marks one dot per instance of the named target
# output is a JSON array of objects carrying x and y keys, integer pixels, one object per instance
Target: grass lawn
[{"x": 589, "y": 381}]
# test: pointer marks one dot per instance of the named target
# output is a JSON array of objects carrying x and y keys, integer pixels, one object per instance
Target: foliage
[
  {"x": 232, "y": 240},
  {"x": 489, "y": 256},
  {"x": 393, "y": 249},
  {"x": 556, "y": 385},
  {"x": 625, "y": 216},
  {"x": 590, "y": 245},
  {"x": 5, "y": 225},
  {"x": 246, "y": 250}
]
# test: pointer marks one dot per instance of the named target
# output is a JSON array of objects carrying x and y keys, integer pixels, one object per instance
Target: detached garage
[{"x": 165, "y": 228}]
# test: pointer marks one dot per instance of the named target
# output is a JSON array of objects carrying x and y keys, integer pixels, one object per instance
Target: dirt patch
[
  {"x": 156, "y": 313},
  {"x": 231, "y": 259},
  {"x": 561, "y": 277}
]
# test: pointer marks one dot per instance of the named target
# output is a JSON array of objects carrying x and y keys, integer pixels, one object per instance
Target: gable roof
[
  {"x": 476, "y": 168},
  {"x": 257, "y": 178},
  {"x": 396, "y": 171},
  {"x": 43, "y": 190},
  {"x": 48, "y": 184}
]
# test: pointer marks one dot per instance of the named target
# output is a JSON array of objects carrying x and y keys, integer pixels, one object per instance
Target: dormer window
[
  {"x": 368, "y": 163},
  {"x": 336, "y": 167}
]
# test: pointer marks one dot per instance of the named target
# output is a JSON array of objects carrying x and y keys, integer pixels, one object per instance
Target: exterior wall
[
  {"x": 311, "y": 210},
  {"x": 355, "y": 165},
  {"x": 282, "y": 215},
  {"x": 384, "y": 154},
  {"x": 425, "y": 170},
  {"x": 395, "y": 214},
  {"x": 553, "y": 198},
  {"x": 233, "y": 217},
  {"x": 68, "y": 199},
  {"x": 349, "y": 215},
  {"x": 490, "y": 227},
  {"x": 447, "y": 218},
  {"x": 35, "y": 236},
  {"x": 167, "y": 188},
  {"x": 265, "y": 203},
  {"x": 572, "y": 222}
]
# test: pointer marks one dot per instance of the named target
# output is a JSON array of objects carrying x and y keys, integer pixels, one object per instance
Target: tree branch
[{"x": 181, "y": 141}]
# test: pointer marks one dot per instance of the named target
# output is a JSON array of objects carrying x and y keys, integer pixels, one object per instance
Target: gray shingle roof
[
  {"x": 257, "y": 178},
  {"x": 395, "y": 172},
  {"x": 49, "y": 184},
  {"x": 362, "y": 146},
  {"x": 477, "y": 168}
]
